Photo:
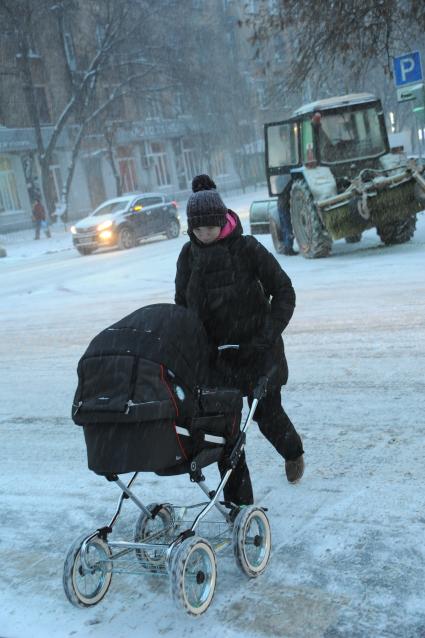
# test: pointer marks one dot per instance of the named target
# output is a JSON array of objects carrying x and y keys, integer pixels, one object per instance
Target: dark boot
[
  {"x": 290, "y": 252},
  {"x": 294, "y": 469},
  {"x": 277, "y": 427}
]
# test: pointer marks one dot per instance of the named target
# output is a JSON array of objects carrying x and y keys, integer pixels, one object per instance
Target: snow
[
  {"x": 335, "y": 102},
  {"x": 348, "y": 558}
]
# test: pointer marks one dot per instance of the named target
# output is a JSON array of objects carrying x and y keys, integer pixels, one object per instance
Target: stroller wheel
[
  {"x": 193, "y": 575},
  {"x": 154, "y": 559},
  {"x": 87, "y": 588},
  {"x": 252, "y": 541}
]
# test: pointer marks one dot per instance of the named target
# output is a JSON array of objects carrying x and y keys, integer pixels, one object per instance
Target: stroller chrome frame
[{"x": 166, "y": 543}]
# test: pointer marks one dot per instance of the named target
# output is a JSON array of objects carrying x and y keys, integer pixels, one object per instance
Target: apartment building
[{"x": 149, "y": 142}]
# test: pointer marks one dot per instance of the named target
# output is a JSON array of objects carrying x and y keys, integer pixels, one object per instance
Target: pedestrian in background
[
  {"x": 39, "y": 218},
  {"x": 283, "y": 208},
  {"x": 242, "y": 296}
]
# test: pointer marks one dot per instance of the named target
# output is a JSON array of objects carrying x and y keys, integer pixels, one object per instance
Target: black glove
[{"x": 253, "y": 352}]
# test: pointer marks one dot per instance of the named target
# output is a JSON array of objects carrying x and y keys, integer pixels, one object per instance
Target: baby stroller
[{"x": 144, "y": 404}]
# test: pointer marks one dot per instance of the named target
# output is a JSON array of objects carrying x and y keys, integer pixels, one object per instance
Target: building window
[
  {"x": 191, "y": 160},
  {"x": 9, "y": 199},
  {"x": 261, "y": 95},
  {"x": 279, "y": 47},
  {"x": 187, "y": 161},
  {"x": 218, "y": 162},
  {"x": 159, "y": 161},
  {"x": 94, "y": 176},
  {"x": 68, "y": 44},
  {"x": 153, "y": 109},
  {"x": 127, "y": 169},
  {"x": 42, "y": 104},
  {"x": 179, "y": 105},
  {"x": 116, "y": 108}
]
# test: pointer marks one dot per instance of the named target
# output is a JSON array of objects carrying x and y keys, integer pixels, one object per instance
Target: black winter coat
[{"x": 242, "y": 296}]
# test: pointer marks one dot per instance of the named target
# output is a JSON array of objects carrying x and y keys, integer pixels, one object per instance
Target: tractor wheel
[
  {"x": 312, "y": 238},
  {"x": 397, "y": 232}
]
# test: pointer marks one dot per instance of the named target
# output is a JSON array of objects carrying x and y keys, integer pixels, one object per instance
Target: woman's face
[{"x": 207, "y": 234}]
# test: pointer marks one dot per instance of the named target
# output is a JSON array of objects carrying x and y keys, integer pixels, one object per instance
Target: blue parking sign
[{"x": 407, "y": 68}]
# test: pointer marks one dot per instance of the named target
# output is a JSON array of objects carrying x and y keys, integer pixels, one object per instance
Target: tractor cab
[{"x": 346, "y": 134}]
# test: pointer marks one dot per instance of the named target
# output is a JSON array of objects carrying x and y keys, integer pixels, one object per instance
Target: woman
[{"x": 242, "y": 296}]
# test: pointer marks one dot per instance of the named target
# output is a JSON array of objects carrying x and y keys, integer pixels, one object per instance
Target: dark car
[{"x": 126, "y": 220}]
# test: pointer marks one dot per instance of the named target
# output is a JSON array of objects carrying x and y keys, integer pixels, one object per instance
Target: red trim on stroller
[
  {"x": 233, "y": 425},
  {"x": 179, "y": 442},
  {"x": 170, "y": 392}
]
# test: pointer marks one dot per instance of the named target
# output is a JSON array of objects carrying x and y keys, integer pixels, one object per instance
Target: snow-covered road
[{"x": 348, "y": 553}]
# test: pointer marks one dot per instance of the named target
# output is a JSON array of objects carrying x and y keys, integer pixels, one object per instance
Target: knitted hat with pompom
[{"x": 205, "y": 206}]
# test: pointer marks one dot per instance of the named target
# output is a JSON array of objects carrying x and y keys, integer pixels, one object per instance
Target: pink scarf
[{"x": 229, "y": 227}]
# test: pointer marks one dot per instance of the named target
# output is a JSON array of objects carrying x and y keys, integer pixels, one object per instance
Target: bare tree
[
  {"x": 209, "y": 75},
  {"x": 105, "y": 55},
  {"x": 109, "y": 131},
  {"x": 354, "y": 34}
]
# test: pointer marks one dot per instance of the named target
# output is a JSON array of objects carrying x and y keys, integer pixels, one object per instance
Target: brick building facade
[{"x": 155, "y": 143}]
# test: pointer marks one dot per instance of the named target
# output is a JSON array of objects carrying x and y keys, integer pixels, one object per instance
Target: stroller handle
[{"x": 261, "y": 388}]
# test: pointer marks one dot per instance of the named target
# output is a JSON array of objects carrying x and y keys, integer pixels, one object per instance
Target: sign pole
[
  {"x": 418, "y": 138},
  {"x": 422, "y": 120},
  {"x": 419, "y": 113},
  {"x": 408, "y": 79}
]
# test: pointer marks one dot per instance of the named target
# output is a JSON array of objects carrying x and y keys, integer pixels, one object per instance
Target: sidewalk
[{"x": 21, "y": 244}]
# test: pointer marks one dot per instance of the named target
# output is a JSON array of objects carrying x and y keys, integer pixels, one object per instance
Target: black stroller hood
[
  {"x": 165, "y": 333},
  {"x": 143, "y": 397}
]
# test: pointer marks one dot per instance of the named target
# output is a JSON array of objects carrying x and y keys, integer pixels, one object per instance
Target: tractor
[{"x": 331, "y": 167}]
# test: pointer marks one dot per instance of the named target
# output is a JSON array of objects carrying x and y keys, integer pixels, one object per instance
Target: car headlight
[
  {"x": 105, "y": 225},
  {"x": 105, "y": 234},
  {"x": 73, "y": 230}
]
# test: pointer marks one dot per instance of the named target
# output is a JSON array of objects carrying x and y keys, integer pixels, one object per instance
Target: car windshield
[
  {"x": 350, "y": 135},
  {"x": 112, "y": 207}
]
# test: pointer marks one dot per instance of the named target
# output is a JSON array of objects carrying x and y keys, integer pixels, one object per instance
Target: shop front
[{"x": 15, "y": 207}]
